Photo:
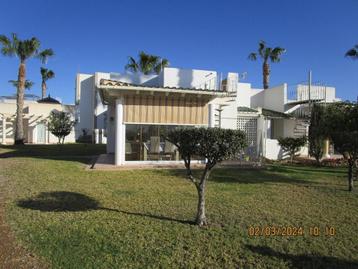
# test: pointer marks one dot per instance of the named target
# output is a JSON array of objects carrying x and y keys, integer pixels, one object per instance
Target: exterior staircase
[{"x": 301, "y": 128}]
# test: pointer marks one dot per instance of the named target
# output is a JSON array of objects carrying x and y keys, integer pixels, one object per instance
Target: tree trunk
[
  {"x": 266, "y": 74},
  {"x": 292, "y": 155},
  {"x": 350, "y": 175},
  {"x": 44, "y": 88},
  {"x": 201, "y": 217},
  {"x": 19, "y": 127}
]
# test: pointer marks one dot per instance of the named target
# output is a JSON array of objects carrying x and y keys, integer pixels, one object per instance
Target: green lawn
[{"x": 76, "y": 218}]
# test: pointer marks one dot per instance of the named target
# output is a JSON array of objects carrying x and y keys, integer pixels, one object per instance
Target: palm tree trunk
[
  {"x": 44, "y": 88},
  {"x": 19, "y": 127},
  {"x": 266, "y": 74}
]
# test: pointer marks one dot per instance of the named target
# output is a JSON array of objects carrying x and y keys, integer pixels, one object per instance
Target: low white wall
[
  {"x": 272, "y": 149},
  {"x": 189, "y": 78}
]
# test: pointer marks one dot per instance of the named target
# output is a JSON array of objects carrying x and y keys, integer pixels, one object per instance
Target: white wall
[
  {"x": 257, "y": 98},
  {"x": 134, "y": 78},
  {"x": 229, "y": 116},
  {"x": 273, "y": 150},
  {"x": 34, "y": 114},
  {"x": 85, "y": 90},
  {"x": 189, "y": 78},
  {"x": 273, "y": 98},
  {"x": 243, "y": 94}
]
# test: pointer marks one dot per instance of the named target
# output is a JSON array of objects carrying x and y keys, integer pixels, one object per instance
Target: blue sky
[{"x": 89, "y": 36}]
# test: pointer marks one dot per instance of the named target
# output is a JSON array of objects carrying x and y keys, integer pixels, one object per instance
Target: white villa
[
  {"x": 35, "y": 114},
  {"x": 130, "y": 111}
]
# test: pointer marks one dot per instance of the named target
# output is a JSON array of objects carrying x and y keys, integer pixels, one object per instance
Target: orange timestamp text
[{"x": 291, "y": 231}]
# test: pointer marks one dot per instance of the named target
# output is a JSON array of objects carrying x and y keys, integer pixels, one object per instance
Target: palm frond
[
  {"x": 132, "y": 65},
  {"x": 45, "y": 54},
  {"x": 27, "y": 48},
  {"x": 50, "y": 74},
  {"x": 43, "y": 71},
  {"x": 162, "y": 63},
  {"x": 261, "y": 49},
  {"x": 46, "y": 74},
  {"x": 276, "y": 53},
  {"x": 146, "y": 63},
  {"x": 28, "y": 84},
  {"x": 252, "y": 56},
  {"x": 8, "y": 47},
  {"x": 267, "y": 53},
  {"x": 353, "y": 53}
]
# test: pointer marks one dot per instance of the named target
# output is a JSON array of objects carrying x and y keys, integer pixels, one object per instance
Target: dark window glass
[{"x": 147, "y": 143}]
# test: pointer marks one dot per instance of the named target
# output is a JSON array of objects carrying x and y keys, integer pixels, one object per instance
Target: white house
[
  {"x": 35, "y": 118},
  {"x": 129, "y": 111}
]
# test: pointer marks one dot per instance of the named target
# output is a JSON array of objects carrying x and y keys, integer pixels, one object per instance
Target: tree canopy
[
  {"x": 317, "y": 132},
  {"x": 341, "y": 119},
  {"x": 212, "y": 144},
  {"x": 292, "y": 145},
  {"x": 146, "y": 64},
  {"x": 60, "y": 124}
]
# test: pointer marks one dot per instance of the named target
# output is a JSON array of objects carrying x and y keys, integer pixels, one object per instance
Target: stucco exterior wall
[
  {"x": 35, "y": 114},
  {"x": 189, "y": 78}
]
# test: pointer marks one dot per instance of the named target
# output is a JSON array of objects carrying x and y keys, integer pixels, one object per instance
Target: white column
[
  {"x": 3, "y": 130},
  {"x": 211, "y": 117},
  {"x": 110, "y": 128},
  {"x": 120, "y": 135},
  {"x": 96, "y": 136}
]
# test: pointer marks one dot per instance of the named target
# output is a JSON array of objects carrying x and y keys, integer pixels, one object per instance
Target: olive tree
[
  {"x": 60, "y": 124},
  {"x": 212, "y": 144},
  {"x": 341, "y": 120},
  {"x": 292, "y": 145}
]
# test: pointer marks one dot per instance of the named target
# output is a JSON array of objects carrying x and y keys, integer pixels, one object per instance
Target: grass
[{"x": 76, "y": 218}]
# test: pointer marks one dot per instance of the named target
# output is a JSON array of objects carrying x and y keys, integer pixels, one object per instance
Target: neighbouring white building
[
  {"x": 35, "y": 118},
  {"x": 129, "y": 111}
]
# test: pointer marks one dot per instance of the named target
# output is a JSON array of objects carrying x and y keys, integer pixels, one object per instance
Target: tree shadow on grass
[
  {"x": 83, "y": 153},
  {"x": 242, "y": 175},
  {"x": 63, "y": 201},
  {"x": 305, "y": 261},
  {"x": 341, "y": 171}
]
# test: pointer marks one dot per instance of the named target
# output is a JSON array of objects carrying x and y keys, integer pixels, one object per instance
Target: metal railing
[{"x": 305, "y": 93}]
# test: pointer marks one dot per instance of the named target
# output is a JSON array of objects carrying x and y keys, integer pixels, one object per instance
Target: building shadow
[
  {"x": 305, "y": 261},
  {"x": 63, "y": 201}
]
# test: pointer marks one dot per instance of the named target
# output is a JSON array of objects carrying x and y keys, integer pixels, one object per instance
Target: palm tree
[
  {"x": 146, "y": 64},
  {"x": 28, "y": 84},
  {"x": 267, "y": 54},
  {"x": 353, "y": 53},
  {"x": 24, "y": 50},
  {"x": 46, "y": 74}
]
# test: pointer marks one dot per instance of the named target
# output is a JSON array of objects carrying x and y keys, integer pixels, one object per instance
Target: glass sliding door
[{"x": 147, "y": 143}]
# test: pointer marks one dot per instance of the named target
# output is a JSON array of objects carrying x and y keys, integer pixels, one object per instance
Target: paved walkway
[
  {"x": 12, "y": 256},
  {"x": 106, "y": 162}
]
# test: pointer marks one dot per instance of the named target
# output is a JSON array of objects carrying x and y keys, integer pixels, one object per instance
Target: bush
[
  {"x": 292, "y": 145},
  {"x": 60, "y": 124}
]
